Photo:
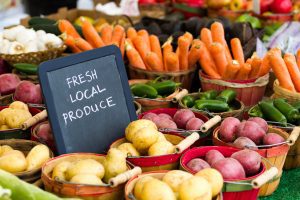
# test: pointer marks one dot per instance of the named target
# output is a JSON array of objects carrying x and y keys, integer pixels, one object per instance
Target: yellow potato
[
  {"x": 15, "y": 118},
  {"x": 3, "y": 114},
  {"x": 139, "y": 185},
  {"x": 12, "y": 152},
  {"x": 37, "y": 156},
  {"x": 90, "y": 179},
  {"x": 128, "y": 149},
  {"x": 134, "y": 126},
  {"x": 144, "y": 138},
  {"x": 13, "y": 161},
  {"x": 195, "y": 188},
  {"x": 86, "y": 166},
  {"x": 4, "y": 149},
  {"x": 161, "y": 148},
  {"x": 19, "y": 105},
  {"x": 214, "y": 178},
  {"x": 4, "y": 127},
  {"x": 59, "y": 171},
  {"x": 157, "y": 190},
  {"x": 174, "y": 179},
  {"x": 161, "y": 137}
]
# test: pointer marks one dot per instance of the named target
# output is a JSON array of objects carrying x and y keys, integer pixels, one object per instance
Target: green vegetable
[
  {"x": 211, "y": 105},
  {"x": 255, "y": 112},
  {"x": 271, "y": 113},
  {"x": 254, "y": 21},
  {"x": 164, "y": 87},
  {"x": 227, "y": 96},
  {"x": 188, "y": 101},
  {"x": 291, "y": 113},
  {"x": 296, "y": 105},
  {"x": 144, "y": 90},
  {"x": 26, "y": 68},
  {"x": 210, "y": 94},
  {"x": 40, "y": 20}
]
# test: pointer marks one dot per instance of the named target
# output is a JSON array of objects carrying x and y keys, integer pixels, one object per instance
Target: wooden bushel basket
[
  {"x": 25, "y": 146},
  {"x": 280, "y": 92}
]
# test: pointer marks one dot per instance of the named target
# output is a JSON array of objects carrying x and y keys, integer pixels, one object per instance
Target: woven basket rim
[
  {"x": 282, "y": 91},
  {"x": 178, "y": 73},
  {"x": 61, "y": 48}
]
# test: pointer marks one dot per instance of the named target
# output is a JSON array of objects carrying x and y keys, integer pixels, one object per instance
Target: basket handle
[
  {"x": 180, "y": 95},
  {"x": 122, "y": 178},
  {"x": 293, "y": 136},
  {"x": 210, "y": 123},
  {"x": 264, "y": 178},
  {"x": 34, "y": 119},
  {"x": 187, "y": 142}
]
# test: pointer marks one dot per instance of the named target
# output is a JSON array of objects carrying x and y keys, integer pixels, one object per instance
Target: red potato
[
  {"x": 150, "y": 116},
  {"x": 8, "y": 83},
  {"x": 272, "y": 138},
  {"x": 164, "y": 115},
  {"x": 242, "y": 142},
  {"x": 28, "y": 92},
  {"x": 261, "y": 122},
  {"x": 194, "y": 124},
  {"x": 44, "y": 133},
  {"x": 165, "y": 123},
  {"x": 197, "y": 164},
  {"x": 249, "y": 159},
  {"x": 213, "y": 156},
  {"x": 251, "y": 130},
  {"x": 182, "y": 116},
  {"x": 228, "y": 128},
  {"x": 230, "y": 169}
]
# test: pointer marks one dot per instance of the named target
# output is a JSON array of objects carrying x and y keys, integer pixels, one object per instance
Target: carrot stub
[
  {"x": 117, "y": 35},
  {"x": 172, "y": 62},
  {"x": 237, "y": 50},
  {"x": 70, "y": 42},
  {"x": 141, "y": 46},
  {"x": 82, "y": 44},
  {"x": 298, "y": 58},
  {"x": 134, "y": 57},
  {"x": 106, "y": 34},
  {"x": 183, "y": 52},
  {"x": 244, "y": 72},
  {"x": 265, "y": 65},
  {"x": 292, "y": 67},
  {"x": 131, "y": 33},
  {"x": 231, "y": 70},
  {"x": 153, "y": 62},
  {"x": 145, "y": 35},
  {"x": 91, "y": 35},
  {"x": 217, "y": 51},
  {"x": 206, "y": 37},
  {"x": 155, "y": 46},
  {"x": 66, "y": 27},
  {"x": 167, "y": 48},
  {"x": 194, "y": 53}
]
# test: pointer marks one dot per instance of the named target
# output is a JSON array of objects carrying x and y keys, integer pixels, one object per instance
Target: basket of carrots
[
  {"x": 149, "y": 60},
  {"x": 223, "y": 70}
]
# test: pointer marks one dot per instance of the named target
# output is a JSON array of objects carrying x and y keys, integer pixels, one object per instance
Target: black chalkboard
[{"x": 88, "y": 99}]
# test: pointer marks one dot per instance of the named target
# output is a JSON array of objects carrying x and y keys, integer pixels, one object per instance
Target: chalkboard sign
[{"x": 88, "y": 99}]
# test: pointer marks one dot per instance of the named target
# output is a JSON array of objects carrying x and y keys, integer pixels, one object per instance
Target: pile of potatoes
[
  {"x": 14, "y": 116},
  {"x": 180, "y": 185},
  {"x": 239, "y": 165},
  {"x": 14, "y": 161},
  {"x": 144, "y": 139},
  {"x": 249, "y": 133},
  {"x": 90, "y": 171},
  {"x": 183, "y": 119}
]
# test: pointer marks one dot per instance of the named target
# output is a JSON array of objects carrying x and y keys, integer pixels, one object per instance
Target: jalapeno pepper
[
  {"x": 143, "y": 90},
  {"x": 188, "y": 101},
  {"x": 165, "y": 87},
  {"x": 291, "y": 113},
  {"x": 271, "y": 113},
  {"x": 210, "y": 94},
  {"x": 211, "y": 105},
  {"x": 296, "y": 105},
  {"x": 255, "y": 112},
  {"x": 227, "y": 96}
]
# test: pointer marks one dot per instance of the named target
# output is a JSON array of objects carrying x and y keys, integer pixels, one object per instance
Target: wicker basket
[
  {"x": 34, "y": 57},
  {"x": 25, "y": 146},
  {"x": 280, "y": 92},
  {"x": 293, "y": 158},
  {"x": 138, "y": 107},
  {"x": 184, "y": 77},
  {"x": 22, "y": 76},
  {"x": 6, "y": 100},
  {"x": 237, "y": 104}
]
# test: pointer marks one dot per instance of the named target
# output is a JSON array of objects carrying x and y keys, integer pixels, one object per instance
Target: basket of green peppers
[
  {"x": 158, "y": 93},
  {"x": 26, "y": 71},
  {"x": 213, "y": 102}
]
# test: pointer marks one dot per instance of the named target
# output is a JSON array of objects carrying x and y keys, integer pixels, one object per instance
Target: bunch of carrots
[
  {"x": 217, "y": 61},
  {"x": 92, "y": 39},
  {"x": 145, "y": 52},
  {"x": 286, "y": 68}
]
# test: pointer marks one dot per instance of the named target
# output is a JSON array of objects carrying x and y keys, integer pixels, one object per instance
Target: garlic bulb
[
  {"x": 5, "y": 46},
  {"x": 52, "y": 41},
  {"x": 40, "y": 33},
  {"x": 41, "y": 46},
  {"x": 16, "y": 48},
  {"x": 31, "y": 46},
  {"x": 26, "y": 35},
  {"x": 12, "y": 33}
]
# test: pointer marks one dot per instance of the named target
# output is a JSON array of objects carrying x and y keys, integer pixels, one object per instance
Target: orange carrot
[
  {"x": 276, "y": 50},
  {"x": 134, "y": 57},
  {"x": 244, "y": 72},
  {"x": 145, "y": 35},
  {"x": 255, "y": 67},
  {"x": 167, "y": 48},
  {"x": 106, "y": 34},
  {"x": 217, "y": 51},
  {"x": 117, "y": 35},
  {"x": 131, "y": 33},
  {"x": 218, "y": 35},
  {"x": 122, "y": 45},
  {"x": 91, "y": 35},
  {"x": 155, "y": 46},
  {"x": 249, "y": 61},
  {"x": 237, "y": 50},
  {"x": 265, "y": 66},
  {"x": 172, "y": 62},
  {"x": 70, "y": 42},
  {"x": 281, "y": 72},
  {"x": 66, "y": 27},
  {"x": 206, "y": 37},
  {"x": 183, "y": 52},
  {"x": 141, "y": 47},
  {"x": 129, "y": 41},
  {"x": 82, "y": 44},
  {"x": 292, "y": 67},
  {"x": 207, "y": 63},
  {"x": 298, "y": 58},
  {"x": 153, "y": 62},
  {"x": 194, "y": 53},
  {"x": 188, "y": 36},
  {"x": 231, "y": 70}
]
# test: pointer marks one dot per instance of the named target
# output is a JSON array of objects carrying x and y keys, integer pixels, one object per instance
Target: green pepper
[
  {"x": 255, "y": 112},
  {"x": 291, "y": 113},
  {"x": 210, "y": 94},
  {"x": 26, "y": 68},
  {"x": 227, "y": 96},
  {"x": 165, "y": 87},
  {"x": 143, "y": 90},
  {"x": 296, "y": 105},
  {"x": 188, "y": 101},
  {"x": 271, "y": 113},
  {"x": 211, "y": 105}
]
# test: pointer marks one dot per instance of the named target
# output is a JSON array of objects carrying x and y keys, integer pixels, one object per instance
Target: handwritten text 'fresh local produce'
[{"x": 80, "y": 95}]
